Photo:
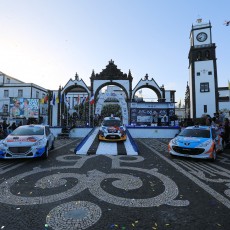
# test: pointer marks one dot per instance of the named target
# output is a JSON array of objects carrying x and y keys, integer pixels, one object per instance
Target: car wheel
[
  {"x": 172, "y": 156},
  {"x": 46, "y": 153}
]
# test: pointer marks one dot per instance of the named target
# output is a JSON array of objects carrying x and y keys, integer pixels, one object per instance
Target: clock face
[{"x": 201, "y": 37}]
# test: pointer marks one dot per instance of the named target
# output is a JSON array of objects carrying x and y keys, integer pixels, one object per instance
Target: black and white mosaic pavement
[{"x": 148, "y": 191}]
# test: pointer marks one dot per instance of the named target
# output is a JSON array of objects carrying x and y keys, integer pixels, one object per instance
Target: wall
[
  {"x": 136, "y": 132},
  {"x": 153, "y": 132}
]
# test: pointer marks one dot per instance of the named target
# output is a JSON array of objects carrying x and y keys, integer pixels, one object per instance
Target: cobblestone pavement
[{"x": 148, "y": 191}]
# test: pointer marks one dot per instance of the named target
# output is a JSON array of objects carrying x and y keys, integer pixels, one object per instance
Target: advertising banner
[
  {"x": 144, "y": 116},
  {"x": 24, "y": 108}
]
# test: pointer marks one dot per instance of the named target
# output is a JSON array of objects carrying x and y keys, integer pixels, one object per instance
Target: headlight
[
  {"x": 40, "y": 143},
  {"x": 205, "y": 144},
  {"x": 174, "y": 141},
  {"x": 3, "y": 143},
  {"x": 104, "y": 129}
]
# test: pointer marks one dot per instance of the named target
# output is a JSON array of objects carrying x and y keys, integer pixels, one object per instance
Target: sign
[
  {"x": 147, "y": 116},
  {"x": 24, "y": 107}
]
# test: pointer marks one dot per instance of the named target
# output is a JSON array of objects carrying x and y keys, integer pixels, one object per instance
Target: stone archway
[
  {"x": 111, "y": 75},
  {"x": 150, "y": 84},
  {"x": 122, "y": 103}
]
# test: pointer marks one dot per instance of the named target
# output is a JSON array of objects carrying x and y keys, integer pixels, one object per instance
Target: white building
[
  {"x": 12, "y": 90},
  {"x": 203, "y": 82}
]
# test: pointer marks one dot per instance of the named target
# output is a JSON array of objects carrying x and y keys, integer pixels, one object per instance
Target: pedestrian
[
  {"x": 214, "y": 123},
  {"x": 208, "y": 120},
  {"x": 226, "y": 132},
  {"x": 4, "y": 127},
  {"x": 13, "y": 126}
]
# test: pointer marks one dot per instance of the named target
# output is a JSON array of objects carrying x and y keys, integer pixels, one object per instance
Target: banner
[
  {"x": 147, "y": 116},
  {"x": 24, "y": 108}
]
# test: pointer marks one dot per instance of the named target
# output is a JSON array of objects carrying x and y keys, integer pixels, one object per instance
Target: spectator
[
  {"x": 226, "y": 131},
  {"x": 4, "y": 127},
  {"x": 208, "y": 120},
  {"x": 13, "y": 126}
]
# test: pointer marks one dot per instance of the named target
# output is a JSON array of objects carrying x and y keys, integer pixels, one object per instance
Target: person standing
[
  {"x": 4, "y": 127},
  {"x": 226, "y": 131},
  {"x": 13, "y": 126}
]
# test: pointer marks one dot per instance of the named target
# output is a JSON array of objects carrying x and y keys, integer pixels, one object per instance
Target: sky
[{"x": 46, "y": 42}]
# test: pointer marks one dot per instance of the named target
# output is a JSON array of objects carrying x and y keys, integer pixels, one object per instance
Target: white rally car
[
  {"x": 196, "y": 142},
  {"x": 27, "y": 141},
  {"x": 112, "y": 130}
]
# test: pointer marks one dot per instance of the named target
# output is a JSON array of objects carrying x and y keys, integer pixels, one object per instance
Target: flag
[
  {"x": 42, "y": 101},
  {"x": 53, "y": 100},
  {"x": 46, "y": 98},
  {"x": 57, "y": 100},
  {"x": 91, "y": 101},
  {"x": 83, "y": 101},
  {"x": 228, "y": 84},
  {"x": 87, "y": 99}
]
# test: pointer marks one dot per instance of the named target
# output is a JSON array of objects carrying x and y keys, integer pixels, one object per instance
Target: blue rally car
[
  {"x": 196, "y": 142},
  {"x": 27, "y": 141}
]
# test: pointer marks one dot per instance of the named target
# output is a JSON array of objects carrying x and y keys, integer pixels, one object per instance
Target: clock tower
[{"x": 203, "y": 84}]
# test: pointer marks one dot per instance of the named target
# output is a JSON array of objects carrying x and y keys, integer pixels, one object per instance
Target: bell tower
[{"x": 203, "y": 82}]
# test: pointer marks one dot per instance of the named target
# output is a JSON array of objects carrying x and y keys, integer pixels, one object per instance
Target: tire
[
  {"x": 172, "y": 156},
  {"x": 46, "y": 153}
]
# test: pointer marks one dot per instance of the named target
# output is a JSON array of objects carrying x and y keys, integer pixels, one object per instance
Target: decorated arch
[
  {"x": 121, "y": 100},
  {"x": 111, "y": 75}
]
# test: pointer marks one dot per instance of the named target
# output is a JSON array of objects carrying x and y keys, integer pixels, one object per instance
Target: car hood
[{"x": 190, "y": 141}]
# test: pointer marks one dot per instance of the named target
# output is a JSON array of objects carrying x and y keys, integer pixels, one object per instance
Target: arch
[
  {"x": 73, "y": 84},
  {"x": 154, "y": 89},
  {"x": 150, "y": 84},
  {"x": 110, "y": 83},
  {"x": 122, "y": 103}
]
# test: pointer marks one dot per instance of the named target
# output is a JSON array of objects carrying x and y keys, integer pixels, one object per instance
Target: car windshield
[
  {"x": 195, "y": 133},
  {"x": 29, "y": 130},
  {"x": 112, "y": 123}
]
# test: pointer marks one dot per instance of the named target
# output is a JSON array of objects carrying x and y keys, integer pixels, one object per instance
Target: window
[
  {"x": 198, "y": 55},
  {"x": 20, "y": 93},
  {"x": 209, "y": 72},
  {"x": 205, "y": 109},
  {"x": 204, "y": 87},
  {"x": 6, "y": 93},
  {"x": 207, "y": 54},
  {"x": 198, "y": 74},
  {"x": 7, "y": 80},
  {"x": 37, "y": 94}
]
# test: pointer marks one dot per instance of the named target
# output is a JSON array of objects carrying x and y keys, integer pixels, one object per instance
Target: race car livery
[
  {"x": 112, "y": 130},
  {"x": 28, "y": 141},
  {"x": 196, "y": 142}
]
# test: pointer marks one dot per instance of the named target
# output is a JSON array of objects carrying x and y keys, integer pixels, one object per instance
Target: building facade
[
  {"x": 20, "y": 101},
  {"x": 203, "y": 83}
]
